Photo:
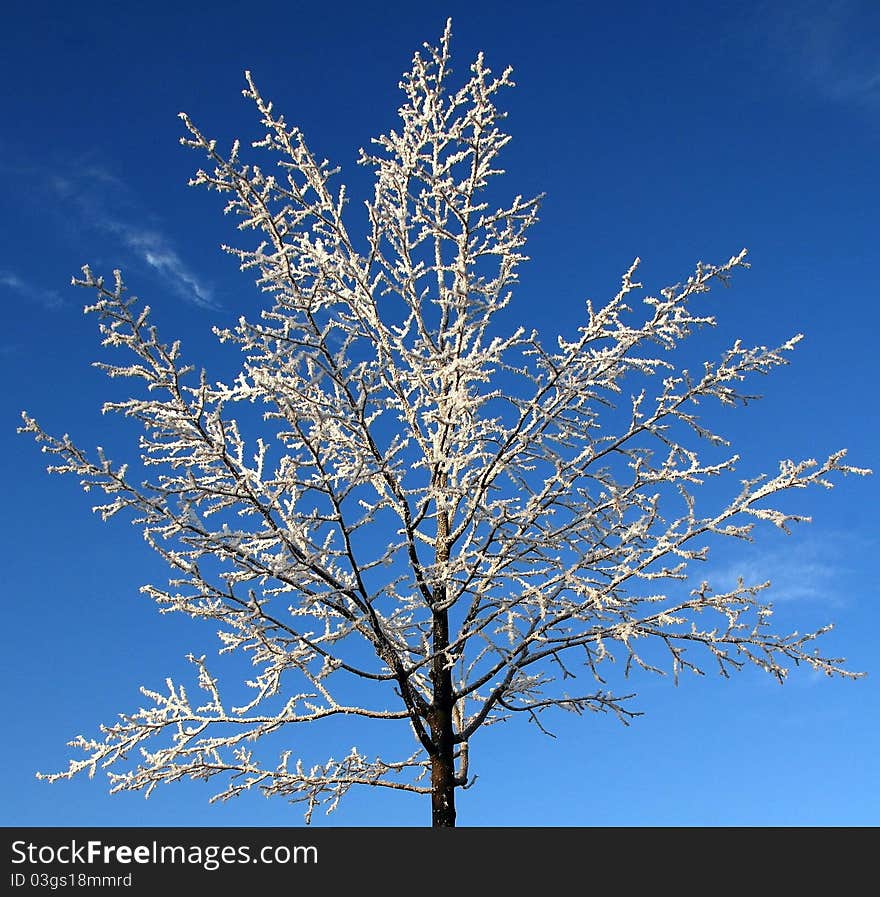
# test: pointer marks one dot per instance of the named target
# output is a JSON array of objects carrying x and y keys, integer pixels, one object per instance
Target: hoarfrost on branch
[{"x": 427, "y": 485}]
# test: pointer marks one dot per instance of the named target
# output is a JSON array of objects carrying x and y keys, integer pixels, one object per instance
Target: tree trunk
[
  {"x": 442, "y": 732},
  {"x": 442, "y": 705},
  {"x": 442, "y": 792}
]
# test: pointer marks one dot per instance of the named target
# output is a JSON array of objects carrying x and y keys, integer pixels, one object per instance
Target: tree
[{"x": 435, "y": 507}]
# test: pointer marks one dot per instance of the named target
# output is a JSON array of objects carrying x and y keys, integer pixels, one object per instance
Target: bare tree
[{"x": 435, "y": 506}]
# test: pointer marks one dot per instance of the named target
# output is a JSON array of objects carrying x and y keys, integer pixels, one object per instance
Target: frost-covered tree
[{"x": 442, "y": 524}]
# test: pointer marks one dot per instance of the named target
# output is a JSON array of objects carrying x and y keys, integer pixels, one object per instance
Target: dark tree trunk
[
  {"x": 442, "y": 792},
  {"x": 443, "y": 703},
  {"x": 442, "y": 732}
]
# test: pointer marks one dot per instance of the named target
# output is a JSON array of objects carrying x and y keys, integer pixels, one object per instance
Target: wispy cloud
[
  {"x": 103, "y": 202},
  {"x": 810, "y": 569},
  {"x": 50, "y": 299},
  {"x": 154, "y": 249},
  {"x": 830, "y": 46}
]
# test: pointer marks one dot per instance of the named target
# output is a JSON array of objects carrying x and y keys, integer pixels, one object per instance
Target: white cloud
[
  {"x": 47, "y": 298},
  {"x": 154, "y": 249},
  {"x": 103, "y": 202},
  {"x": 807, "y": 569},
  {"x": 830, "y": 46}
]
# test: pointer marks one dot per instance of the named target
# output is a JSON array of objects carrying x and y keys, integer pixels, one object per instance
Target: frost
[{"x": 426, "y": 485}]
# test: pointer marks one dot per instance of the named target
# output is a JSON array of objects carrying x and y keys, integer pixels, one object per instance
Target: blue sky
[{"x": 674, "y": 132}]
